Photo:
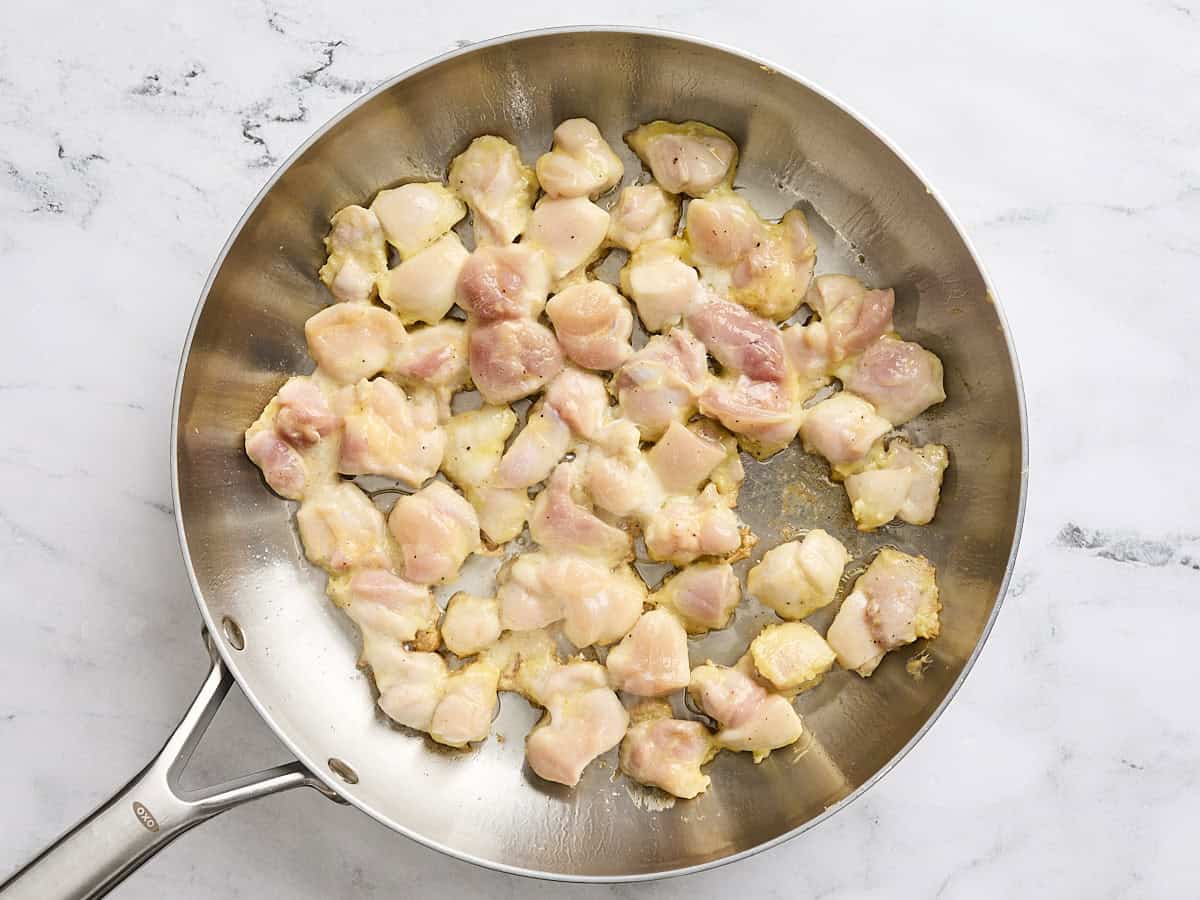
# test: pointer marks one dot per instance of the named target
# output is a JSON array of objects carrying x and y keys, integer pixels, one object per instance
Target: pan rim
[{"x": 314, "y": 766}]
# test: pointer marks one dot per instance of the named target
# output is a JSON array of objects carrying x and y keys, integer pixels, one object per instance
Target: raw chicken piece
[
  {"x": 499, "y": 188},
  {"x": 751, "y": 718},
  {"x": 660, "y": 283},
  {"x": 738, "y": 339},
  {"x": 570, "y": 231},
  {"x": 283, "y": 441},
  {"x": 435, "y": 357},
  {"x": 798, "y": 578},
  {"x": 581, "y": 400},
  {"x": 765, "y": 267},
  {"x": 535, "y": 452},
  {"x": 842, "y": 428},
  {"x": 598, "y": 603},
  {"x": 281, "y": 464},
  {"x": 474, "y": 444},
  {"x": 686, "y": 528},
  {"x": 341, "y": 529},
  {"x": 765, "y": 414},
  {"x": 642, "y": 213},
  {"x": 660, "y": 383},
  {"x": 357, "y": 255},
  {"x": 902, "y": 379},
  {"x": 581, "y": 164},
  {"x": 471, "y": 624},
  {"x": 507, "y": 282},
  {"x": 382, "y": 603},
  {"x": 902, "y": 482},
  {"x": 388, "y": 433},
  {"x": 410, "y": 683},
  {"x": 667, "y": 753},
  {"x": 414, "y": 216},
  {"x": 852, "y": 315},
  {"x": 683, "y": 458},
  {"x": 350, "y": 341},
  {"x": 524, "y": 659},
  {"x": 562, "y": 524},
  {"x": 593, "y": 324},
  {"x": 652, "y": 660},
  {"x": 729, "y": 473},
  {"x": 513, "y": 359},
  {"x": 703, "y": 595},
  {"x": 893, "y": 603},
  {"x": 437, "y": 530},
  {"x": 467, "y": 706},
  {"x": 583, "y": 719},
  {"x": 303, "y": 416},
  {"x": 685, "y": 157},
  {"x": 793, "y": 656},
  {"x": 618, "y": 475},
  {"x": 810, "y": 352},
  {"x": 425, "y": 286}
]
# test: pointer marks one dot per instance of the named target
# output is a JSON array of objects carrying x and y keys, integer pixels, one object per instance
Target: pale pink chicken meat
[
  {"x": 536, "y": 450},
  {"x": 382, "y": 603},
  {"x": 350, "y": 341},
  {"x": 281, "y": 463},
  {"x": 902, "y": 482},
  {"x": 513, "y": 359},
  {"x": 581, "y": 401},
  {"x": 738, "y": 339},
  {"x": 842, "y": 428},
  {"x": 598, "y": 603},
  {"x": 387, "y": 432},
  {"x": 341, "y": 529},
  {"x": 683, "y": 458},
  {"x": 414, "y": 216},
  {"x": 661, "y": 382},
  {"x": 580, "y": 164},
  {"x": 471, "y": 624},
  {"x": 434, "y": 357},
  {"x": 474, "y": 446},
  {"x": 763, "y": 266},
  {"x": 766, "y": 414},
  {"x": 467, "y": 706},
  {"x": 304, "y": 415},
  {"x": 797, "y": 578},
  {"x": 652, "y": 660},
  {"x": 504, "y": 282},
  {"x": 497, "y": 186},
  {"x": 584, "y": 719},
  {"x": 437, "y": 529},
  {"x": 661, "y": 285},
  {"x": 891, "y": 604},
  {"x": 410, "y": 683},
  {"x": 593, "y": 324},
  {"x": 643, "y": 213},
  {"x": 570, "y": 231},
  {"x": 562, "y": 523},
  {"x": 425, "y": 286},
  {"x": 900, "y": 378},
  {"x": 357, "y": 255},
  {"x": 618, "y": 475},
  {"x": 702, "y": 595},
  {"x": 752, "y": 719},
  {"x": 852, "y": 317},
  {"x": 686, "y": 528},
  {"x": 685, "y": 157},
  {"x": 665, "y": 752},
  {"x": 791, "y": 657}
]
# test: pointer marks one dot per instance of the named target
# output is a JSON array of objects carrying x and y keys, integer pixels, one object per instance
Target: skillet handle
[{"x": 149, "y": 812}]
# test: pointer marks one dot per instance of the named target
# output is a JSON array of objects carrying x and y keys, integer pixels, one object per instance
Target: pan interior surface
[{"x": 874, "y": 218}]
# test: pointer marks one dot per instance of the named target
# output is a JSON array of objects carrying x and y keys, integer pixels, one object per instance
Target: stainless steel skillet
[{"x": 293, "y": 655}]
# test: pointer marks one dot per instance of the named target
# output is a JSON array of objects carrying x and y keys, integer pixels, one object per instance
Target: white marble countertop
[{"x": 1067, "y": 138}]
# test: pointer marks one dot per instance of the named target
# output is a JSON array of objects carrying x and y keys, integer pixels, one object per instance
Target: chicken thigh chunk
[
  {"x": 685, "y": 157},
  {"x": 665, "y": 752},
  {"x": 798, "y": 578},
  {"x": 581, "y": 164}
]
